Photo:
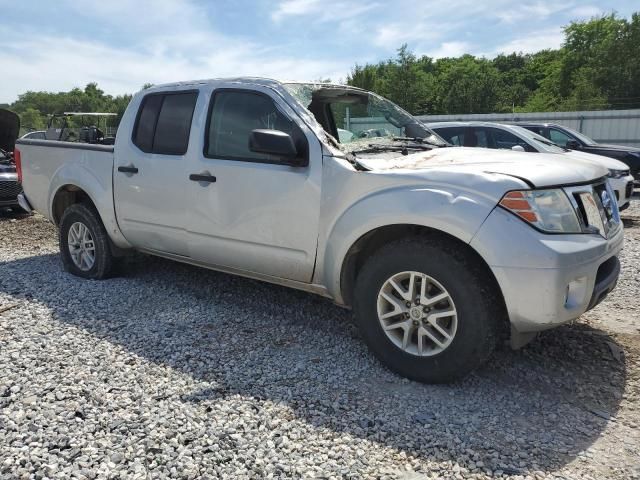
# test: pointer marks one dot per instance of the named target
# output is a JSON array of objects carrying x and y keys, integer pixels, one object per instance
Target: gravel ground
[{"x": 170, "y": 371}]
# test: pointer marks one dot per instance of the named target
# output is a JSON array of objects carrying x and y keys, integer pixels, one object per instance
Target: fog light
[{"x": 576, "y": 293}]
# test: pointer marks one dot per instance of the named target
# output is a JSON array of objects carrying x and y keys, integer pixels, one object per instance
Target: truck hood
[
  {"x": 9, "y": 129},
  {"x": 539, "y": 170},
  {"x": 607, "y": 162},
  {"x": 616, "y": 148}
]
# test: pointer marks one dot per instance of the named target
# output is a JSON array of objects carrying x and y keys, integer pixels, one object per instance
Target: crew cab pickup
[{"x": 441, "y": 252}]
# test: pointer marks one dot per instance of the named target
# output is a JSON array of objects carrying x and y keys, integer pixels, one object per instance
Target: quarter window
[
  {"x": 232, "y": 117},
  {"x": 164, "y": 123}
]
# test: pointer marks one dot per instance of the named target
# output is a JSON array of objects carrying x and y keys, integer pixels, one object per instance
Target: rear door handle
[
  {"x": 202, "y": 177},
  {"x": 128, "y": 169}
]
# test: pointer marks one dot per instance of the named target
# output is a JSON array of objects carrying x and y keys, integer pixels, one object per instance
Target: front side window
[
  {"x": 558, "y": 137},
  {"x": 234, "y": 115},
  {"x": 537, "y": 130},
  {"x": 164, "y": 123}
]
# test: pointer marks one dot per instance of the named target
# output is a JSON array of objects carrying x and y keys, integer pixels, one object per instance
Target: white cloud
[
  {"x": 532, "y": 42},
  {"x": 27, "y": 66},
  {"x": 527, "y": 11},
  {"x": 586, "y": 11},
  {"x": 322, "y": 10},
  {"x": 451, "y": 49},
  {"x": 172, "y": 41}
]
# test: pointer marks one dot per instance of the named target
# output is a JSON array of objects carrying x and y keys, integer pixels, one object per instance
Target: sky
[{"x": 123, "y": 44}]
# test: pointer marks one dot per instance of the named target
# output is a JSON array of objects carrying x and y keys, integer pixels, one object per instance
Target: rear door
[
  {"x": 256, "y": 213},
  {"x": 150, "y": 180}
]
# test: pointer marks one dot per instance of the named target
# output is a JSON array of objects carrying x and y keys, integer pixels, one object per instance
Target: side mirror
[
  {"x": 573, "y": 145},
  {"x": 273, "y": 142},
  {"x": 518, "y": 148}
]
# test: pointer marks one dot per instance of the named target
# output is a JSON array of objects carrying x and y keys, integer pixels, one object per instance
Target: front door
[
  {"x": 252, "y": 211},
  {"x": 150, "y": 181}
]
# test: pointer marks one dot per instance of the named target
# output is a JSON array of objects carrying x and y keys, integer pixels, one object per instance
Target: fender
[
  {"x": 98, "y": 187},
  {"x": 451, "y": 210}
]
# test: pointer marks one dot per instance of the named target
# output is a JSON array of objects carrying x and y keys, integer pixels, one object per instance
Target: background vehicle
[
  {"x": 573, "y": 140},
  {"x": 439, "y": 251},
  {"x": 79, "y": 127},
  {"x": 36, "y": 135},
  {"x": 9, "y": 186},
  {"x": 500, "y": 136}
]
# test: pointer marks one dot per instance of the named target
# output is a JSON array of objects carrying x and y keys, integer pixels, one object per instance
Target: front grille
[
  {"x": 628, "y": 189},
  {"x": 9, "y": 190},
  {"x": 596, "y": 208}
]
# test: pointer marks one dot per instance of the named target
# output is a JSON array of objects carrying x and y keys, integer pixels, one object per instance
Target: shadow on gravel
[
  {"x": 534, "y": 409},
  {"x": 630, "y": 221},
  {"x": 12, "y": 213}
]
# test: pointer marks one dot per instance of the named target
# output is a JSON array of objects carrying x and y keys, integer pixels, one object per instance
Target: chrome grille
[
  {"x": 597, "y": 208},
  {"x": 9, "y": 190}
]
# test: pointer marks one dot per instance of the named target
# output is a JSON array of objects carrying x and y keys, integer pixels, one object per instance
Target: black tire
[
  {"x": 88, "y": 216},
  {"x": 477, "y": 304}
]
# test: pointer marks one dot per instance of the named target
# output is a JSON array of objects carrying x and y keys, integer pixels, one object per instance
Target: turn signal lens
[
  {"x": 518, "y": 204},
  {"x": 547, "y": 210}
]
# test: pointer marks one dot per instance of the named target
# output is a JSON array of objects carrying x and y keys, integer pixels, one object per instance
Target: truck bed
[{"x": 49, "y": 165}]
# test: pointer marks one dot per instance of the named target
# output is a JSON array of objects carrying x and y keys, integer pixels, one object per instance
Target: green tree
[
  {"x": 468, "y": 85},
  {"x": 32, "y": 119}
]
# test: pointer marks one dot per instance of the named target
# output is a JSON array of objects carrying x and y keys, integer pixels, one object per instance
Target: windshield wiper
[
  {"x": 420, "y": 140},
  {"x": 403, "y": 149}
]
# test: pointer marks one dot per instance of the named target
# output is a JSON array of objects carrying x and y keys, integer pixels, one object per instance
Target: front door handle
[
  {"x": 202, "y": 177},
  {"x": 128, "y": 169}
]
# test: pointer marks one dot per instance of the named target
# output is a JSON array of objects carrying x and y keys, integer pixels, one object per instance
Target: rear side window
[
  {"x": 453, "y": 135},
  {"x": 505, "y": 140},
  {"x": 146, "y": 124},
  {"x": 164, "y": 123}
]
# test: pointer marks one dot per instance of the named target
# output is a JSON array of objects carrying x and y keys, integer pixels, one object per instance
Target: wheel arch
[
  {"x": 74, "y": 183},
  {"x": 67, "y": 195},
  {"x": 367, "y": 245}
]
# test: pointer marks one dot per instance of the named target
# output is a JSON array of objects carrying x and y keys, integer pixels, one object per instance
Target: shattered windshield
[{"x": 358, "y": 119}]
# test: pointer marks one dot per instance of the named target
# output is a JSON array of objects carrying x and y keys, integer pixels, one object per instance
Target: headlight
[
  {"x": 618, "y": 173},
  {"x": 547, "y": 210}
]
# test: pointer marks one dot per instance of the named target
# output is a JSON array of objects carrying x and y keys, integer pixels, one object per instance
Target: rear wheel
[
  {"x": 426, "y": 310},
  {"x": 84, "y": 245}
]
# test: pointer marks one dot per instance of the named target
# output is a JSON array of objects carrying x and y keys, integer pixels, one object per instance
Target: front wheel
[
  {"x": 427, "y": 310},
  {"x": 84, "y": 245}
]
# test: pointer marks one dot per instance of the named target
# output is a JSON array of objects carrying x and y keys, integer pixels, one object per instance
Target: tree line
[{"x": 596, "y": 68}]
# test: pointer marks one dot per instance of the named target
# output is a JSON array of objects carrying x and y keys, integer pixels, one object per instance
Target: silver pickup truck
[{"x": 441, "y": 252}]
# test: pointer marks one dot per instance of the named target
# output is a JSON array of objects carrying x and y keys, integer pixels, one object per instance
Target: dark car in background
[
  {"x": 569, "y": 138},
  {"x": 9, "y": 185}
]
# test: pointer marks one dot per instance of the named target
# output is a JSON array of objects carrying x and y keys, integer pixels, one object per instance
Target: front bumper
[
  {"x": 623, "y": 187},
  {"x": 547, "y": 280}
]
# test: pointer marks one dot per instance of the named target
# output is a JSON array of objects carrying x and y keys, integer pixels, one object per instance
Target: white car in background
[{"x": 514, "y": 137}]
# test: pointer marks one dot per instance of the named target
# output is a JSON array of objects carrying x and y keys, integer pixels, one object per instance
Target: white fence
[{"x": 621, "y": 127}]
